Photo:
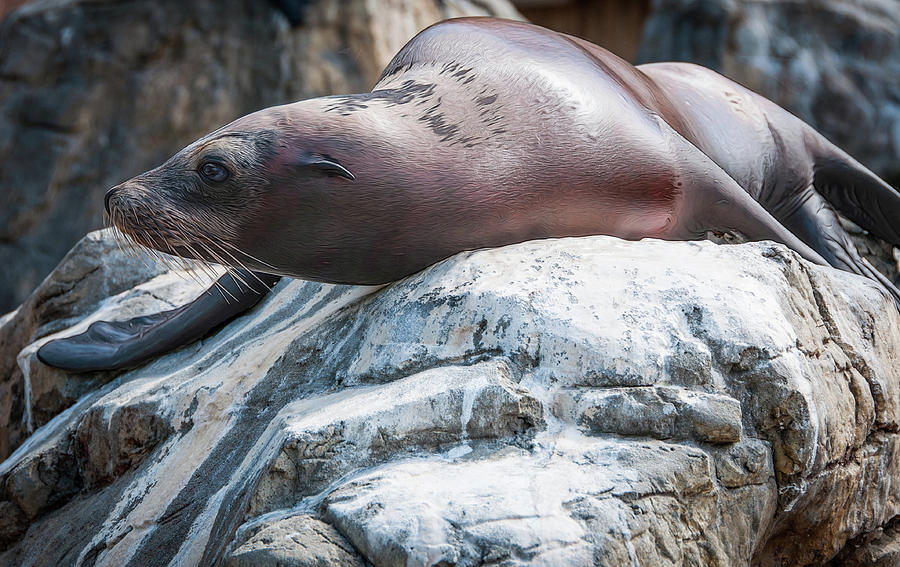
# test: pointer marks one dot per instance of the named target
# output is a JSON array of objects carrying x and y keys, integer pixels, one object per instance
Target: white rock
[{"x": 575, "y": 401}]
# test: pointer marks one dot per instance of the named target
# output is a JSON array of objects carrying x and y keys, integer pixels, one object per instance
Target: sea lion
[{"x": 481, "y": 133}]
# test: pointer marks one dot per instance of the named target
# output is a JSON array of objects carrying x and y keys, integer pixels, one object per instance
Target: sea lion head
[{"x": 247, "y": 195}]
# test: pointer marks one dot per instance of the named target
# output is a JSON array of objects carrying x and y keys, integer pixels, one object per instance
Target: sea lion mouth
[{"x": 168, "y": 235}]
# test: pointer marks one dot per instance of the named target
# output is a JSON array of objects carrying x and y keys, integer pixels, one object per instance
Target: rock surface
[
  {"x": 833, "y": 63},
  {"x": 93, "y": 93},
  {"x": 564, "y": 402},
  {"x": 295, "y": 541}
]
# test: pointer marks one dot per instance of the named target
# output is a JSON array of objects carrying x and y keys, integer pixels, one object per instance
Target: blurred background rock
[{"x": 94, "y": 92}]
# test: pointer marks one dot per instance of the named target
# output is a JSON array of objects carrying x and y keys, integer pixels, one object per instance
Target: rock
[
  {"x": 331, "y": 436},
  {"x": 95, "y": 269},
  {"x": 93, "y": 93},
  {"x": 584, "y": 401},
  {"x": 881, "y": 548},
  {"x": 295, "y": 541},
  {"x": 660, "y": 412},
  {"x": 833, "y": 63},
  {"x": 571, "y": 506}
]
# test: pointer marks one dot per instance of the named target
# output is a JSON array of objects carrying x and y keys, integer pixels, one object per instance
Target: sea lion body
[
  {"x": 449, "y": 156},
  {"x": 484, "y": 132}
]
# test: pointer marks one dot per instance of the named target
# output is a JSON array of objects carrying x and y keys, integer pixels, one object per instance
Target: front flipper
[{"x": 126, "y": 344}]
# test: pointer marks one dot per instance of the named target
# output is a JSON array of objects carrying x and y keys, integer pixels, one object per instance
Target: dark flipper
[
  {"x": 713, "y": 201},
  {"x": 816, "y": 223},
  {"x": 860, "y": 195},
  {"x": 126, "y": 344}
]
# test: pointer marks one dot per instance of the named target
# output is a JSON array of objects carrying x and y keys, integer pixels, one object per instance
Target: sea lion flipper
[
  {"x": 816, "y": 222},
  {"x": 714, "y": 202},
  {"x": 738, "y": 211},
  {"x": 126, "y": 344},
  {"x": 859, "y": 194},
  {"x": 813, "y": 230}
]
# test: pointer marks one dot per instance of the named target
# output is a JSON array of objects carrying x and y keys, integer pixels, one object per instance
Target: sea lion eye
[{"x": 212, "y": 171}]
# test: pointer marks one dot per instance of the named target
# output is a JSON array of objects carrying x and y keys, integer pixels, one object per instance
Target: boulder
[
  {"x": 299, "y": 540},
  {"x": 585, "y": 401}
]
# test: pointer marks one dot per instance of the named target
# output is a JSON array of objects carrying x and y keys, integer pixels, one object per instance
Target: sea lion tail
[{"x": 856, "y": 192}]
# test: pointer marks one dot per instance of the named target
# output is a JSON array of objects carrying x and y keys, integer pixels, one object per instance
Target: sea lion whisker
[
  {"x": 202, "y": 264},
  {"x": 120, "y": 237},
  {"x": 241, "y": 265},
  {"x": 109, "y": 224},
  {"x": 131, "y": 246},
  {"x": 139, "y": 237},
  {"x": 154, "y": 253},
  {"x": 225, "y": 293},
  {"x": 180, "y": 232},
  {"x": 140, "y": 250},
  {"x": 118, "y": 240},
  {"x": 140, "y": 258},
  {"x": 234, "y": 274},
  {"x": 222, "y": 290},
  {"x": 217, "y": 259},
  {"x": 251, "y": 256},
  {"x": 187, "y": 270},
  {"x": 124, "y": 242},
  {"x": 234, "y": 261},
  {"x": 167, "y": 260},
  {"x": 239, "y": 279}
]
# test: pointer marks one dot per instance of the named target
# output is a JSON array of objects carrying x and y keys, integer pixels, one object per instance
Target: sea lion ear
[{"x": 326, "y": 165}]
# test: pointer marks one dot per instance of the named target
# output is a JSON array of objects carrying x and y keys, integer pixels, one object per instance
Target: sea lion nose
[{"x": 109, "y": 194}]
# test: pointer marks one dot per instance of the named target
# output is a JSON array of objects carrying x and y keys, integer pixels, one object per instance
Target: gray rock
[
  {"x": 295, "y": 541},
  {"x": 95, "y": 269},
  {"x": 660, "y": 412},
  {"x": 331, "y": 436},
  {"x": 743, "y": 464}
]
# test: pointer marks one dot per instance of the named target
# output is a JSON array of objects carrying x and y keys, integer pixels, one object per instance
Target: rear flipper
[
  {"x": 857, "y": 193},
  {"x": 126, "y": 344},
  {"x": 812, "y": 230},
  {"x": 713, "y": 201},
  {"x": 818, "y": 225}
]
